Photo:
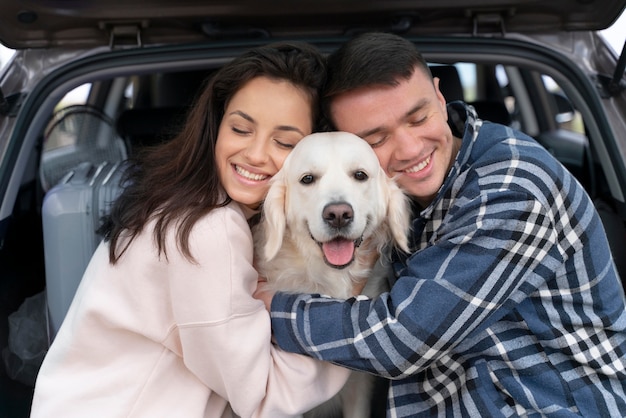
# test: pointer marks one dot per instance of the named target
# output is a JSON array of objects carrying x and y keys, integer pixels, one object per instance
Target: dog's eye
[
  {"x": 360, "y": 175},
  {"x": 307, "y": 179}
]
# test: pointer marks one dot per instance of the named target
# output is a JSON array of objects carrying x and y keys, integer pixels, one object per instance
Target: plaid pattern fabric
[{"x": 510, "y": 305}]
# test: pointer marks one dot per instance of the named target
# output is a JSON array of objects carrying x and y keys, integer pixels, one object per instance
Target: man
[{"x": 510, "y": 304}]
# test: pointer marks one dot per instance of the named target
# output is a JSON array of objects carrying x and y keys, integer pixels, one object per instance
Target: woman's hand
[{"x": 264, "y": 293}]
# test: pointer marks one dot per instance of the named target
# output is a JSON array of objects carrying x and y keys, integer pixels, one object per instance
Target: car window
[
  {"x": 5, "y": 56},
  {"x": 566, "y": 117},
  {"x": 484, "y": 86},
  {"x": 76, "y": 96},
  {"x": 526, "y": 100},
  {"x": 77, "y": 132}
]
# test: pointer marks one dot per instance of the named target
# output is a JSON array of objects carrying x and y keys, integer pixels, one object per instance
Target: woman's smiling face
[{"x": 262, "y": 122}]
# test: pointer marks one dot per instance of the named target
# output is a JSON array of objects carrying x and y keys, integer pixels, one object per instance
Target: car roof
[{"x": 90, "y": 23}]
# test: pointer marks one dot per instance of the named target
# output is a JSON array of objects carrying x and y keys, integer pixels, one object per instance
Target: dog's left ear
[
  {"x": 398, "y": 212},
  {"x": 274, "y": 221}
]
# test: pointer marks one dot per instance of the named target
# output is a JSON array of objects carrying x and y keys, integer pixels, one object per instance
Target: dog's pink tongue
[{"x": 338, "y": 252}]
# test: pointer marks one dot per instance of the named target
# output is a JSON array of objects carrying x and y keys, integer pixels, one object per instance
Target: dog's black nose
[{"x": 338, "y": 215}]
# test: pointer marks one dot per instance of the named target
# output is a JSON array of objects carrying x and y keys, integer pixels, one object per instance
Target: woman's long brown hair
[{"x": 176, "y": 183}]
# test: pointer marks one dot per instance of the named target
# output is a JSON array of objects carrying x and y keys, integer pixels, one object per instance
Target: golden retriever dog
[{"x": 330, "y": 214}]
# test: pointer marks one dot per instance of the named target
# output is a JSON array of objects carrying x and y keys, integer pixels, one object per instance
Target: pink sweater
[{"x": 154, "y": 336}]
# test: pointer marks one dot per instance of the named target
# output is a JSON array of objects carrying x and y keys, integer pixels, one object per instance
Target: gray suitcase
[{"x": 71, "y": 214}]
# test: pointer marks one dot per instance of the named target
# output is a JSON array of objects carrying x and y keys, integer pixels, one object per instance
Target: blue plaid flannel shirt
[{"x": 510, "y": 305}]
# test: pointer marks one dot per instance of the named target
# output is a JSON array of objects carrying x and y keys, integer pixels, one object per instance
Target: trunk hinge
[
  {"x": 126, "y": 34},
  {"x": 11, "y": 104},
  {"x": 616, "y": 86},
  {"x": 488, "y": 23}
]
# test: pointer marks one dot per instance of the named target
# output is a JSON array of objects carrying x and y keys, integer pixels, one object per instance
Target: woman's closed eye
[
  {"x": 284, "y": 144},
  {"x": 287, "y": 142},
  {"x": 240, "y": 130}
]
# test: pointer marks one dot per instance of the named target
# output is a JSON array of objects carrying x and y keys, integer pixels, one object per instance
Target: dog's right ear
[
  {"x": 398, "y": 213},
  {"x": 274, "y": 221}
]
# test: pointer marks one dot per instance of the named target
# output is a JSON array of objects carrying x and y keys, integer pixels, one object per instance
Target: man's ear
[{"x": 440, "y": 97}]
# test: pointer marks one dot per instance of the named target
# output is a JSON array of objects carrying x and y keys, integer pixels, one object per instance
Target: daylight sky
[{"x": 616, "y": 34}]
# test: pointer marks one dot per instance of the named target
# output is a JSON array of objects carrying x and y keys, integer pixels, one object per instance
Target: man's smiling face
[{"x": 407, "y": 127}]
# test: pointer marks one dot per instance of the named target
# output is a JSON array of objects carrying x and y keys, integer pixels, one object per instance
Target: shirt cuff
[{"x": 284, "y": 321}]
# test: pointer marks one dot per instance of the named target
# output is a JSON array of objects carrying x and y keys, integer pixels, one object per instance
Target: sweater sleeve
[{"x": 225, "y": 335}]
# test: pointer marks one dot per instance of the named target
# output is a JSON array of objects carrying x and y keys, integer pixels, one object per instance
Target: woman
[{"x": 164, "y": 322}]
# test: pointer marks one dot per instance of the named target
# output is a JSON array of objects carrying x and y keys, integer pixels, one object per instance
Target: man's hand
[{"x": 264, "y": 293}]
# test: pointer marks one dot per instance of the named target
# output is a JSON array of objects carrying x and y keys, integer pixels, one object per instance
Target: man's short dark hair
[{"x": 374, "y": 58}]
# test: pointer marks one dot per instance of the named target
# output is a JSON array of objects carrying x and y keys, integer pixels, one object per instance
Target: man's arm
[{"x": 496, "y": 252}]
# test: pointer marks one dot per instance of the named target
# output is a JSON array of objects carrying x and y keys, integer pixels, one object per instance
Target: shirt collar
[{"x": 464, "y": 123}]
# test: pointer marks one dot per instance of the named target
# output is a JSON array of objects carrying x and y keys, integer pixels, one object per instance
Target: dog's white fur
[{"x": 327, "y": 174}]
